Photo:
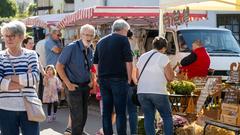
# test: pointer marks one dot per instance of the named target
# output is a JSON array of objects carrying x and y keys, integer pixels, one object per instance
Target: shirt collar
[{"x": 81, "y": 45}]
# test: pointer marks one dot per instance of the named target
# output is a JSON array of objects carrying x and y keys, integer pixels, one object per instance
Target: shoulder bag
[
  {"x": 33, "y": 105},
  {"x": 134, "y": 88}
]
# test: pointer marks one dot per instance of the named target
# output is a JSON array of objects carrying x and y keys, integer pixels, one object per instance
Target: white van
[{"x": 220, "y": 44}]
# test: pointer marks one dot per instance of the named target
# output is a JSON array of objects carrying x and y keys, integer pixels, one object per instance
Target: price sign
[
  {"x": 231, "y": 95},
  {"x": 211, "y": 87}
]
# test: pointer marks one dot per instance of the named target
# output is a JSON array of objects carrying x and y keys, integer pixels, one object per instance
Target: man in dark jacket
[{"x": 113, "y": 60}]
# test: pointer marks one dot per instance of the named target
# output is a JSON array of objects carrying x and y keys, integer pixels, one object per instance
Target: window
[
  {"x": 171, "y": 48},
  {"x": 215, "y": 41},
  {"x": 231, "y": 22}
]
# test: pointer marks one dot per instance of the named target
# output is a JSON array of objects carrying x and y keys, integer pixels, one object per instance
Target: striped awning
[
  {"x": 44, "y": 21},
  {"x": 98, "y": 15}
]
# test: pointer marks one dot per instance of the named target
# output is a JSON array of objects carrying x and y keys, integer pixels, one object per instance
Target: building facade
[
  {"x": 80, "y": 4},
  {"x": 54, "y": 6}
]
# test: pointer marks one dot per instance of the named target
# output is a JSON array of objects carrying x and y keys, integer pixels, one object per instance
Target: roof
[
  {"x": 138, "y": 16},
  {"x": 44, "y": 20},
  {"x": 202, "y": 28},
  {"x": 216, "y": 5}
]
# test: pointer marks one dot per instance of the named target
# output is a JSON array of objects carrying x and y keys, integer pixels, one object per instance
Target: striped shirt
[{"x": 26, "y": 67}]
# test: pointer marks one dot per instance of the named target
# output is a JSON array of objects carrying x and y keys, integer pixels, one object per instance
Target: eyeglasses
[
  {"x": 9, "y": 36},
  {"x": 88, "y": 35}
]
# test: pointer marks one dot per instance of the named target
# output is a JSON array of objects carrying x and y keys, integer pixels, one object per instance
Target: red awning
[
  {"x": 44, "y": 20},
  {"x": 139, "y": 16}
]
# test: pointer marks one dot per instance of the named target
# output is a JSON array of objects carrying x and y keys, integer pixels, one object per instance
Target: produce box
[
  {"x": 230, "y": 109},
  {"x": 228, "y": 119},
  {"x": 212, "y": 113}
]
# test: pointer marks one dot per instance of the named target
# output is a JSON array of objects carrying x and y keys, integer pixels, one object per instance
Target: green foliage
[
  {"x": 5, "y": 19},
  {"x": 8, "y": 8},
  {"x": 31, "y": 9},
  {"x": 182, "y": 87}
]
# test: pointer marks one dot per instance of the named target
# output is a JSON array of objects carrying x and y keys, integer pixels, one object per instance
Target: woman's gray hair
[
  {"x": 14, "y": 27},
  {"x": 87, "y": 27},
  {"x": 119, "y": 25}
]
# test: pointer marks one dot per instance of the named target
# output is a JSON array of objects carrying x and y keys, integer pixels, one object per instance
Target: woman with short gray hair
[{"x": 18, "y": 70}]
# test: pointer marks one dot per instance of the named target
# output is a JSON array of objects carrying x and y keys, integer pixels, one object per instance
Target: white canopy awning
[{"x": 218, "y": 5}]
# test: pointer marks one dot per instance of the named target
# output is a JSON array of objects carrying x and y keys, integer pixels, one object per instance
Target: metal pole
[{"x": 161, "y": 26}]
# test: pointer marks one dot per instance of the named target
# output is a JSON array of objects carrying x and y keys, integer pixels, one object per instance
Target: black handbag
[{"x": 134, "y": 87}]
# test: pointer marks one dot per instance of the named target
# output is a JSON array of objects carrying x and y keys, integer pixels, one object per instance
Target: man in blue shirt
[
  {"x": 73, "y": 67},
  {"x": 53, "y": 47},
  {"x": 113, "y": 60}
]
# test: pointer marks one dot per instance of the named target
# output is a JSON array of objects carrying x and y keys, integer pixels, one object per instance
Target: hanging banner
[{"x": 176, "y": 18}]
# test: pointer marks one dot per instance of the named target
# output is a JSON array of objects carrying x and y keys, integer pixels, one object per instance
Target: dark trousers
[
  {"x": 78, "y": 104},
  {"x": 49, "y": 108},
  {"x": 12, "y": 121},
  {"x": 40, "y": 87}
]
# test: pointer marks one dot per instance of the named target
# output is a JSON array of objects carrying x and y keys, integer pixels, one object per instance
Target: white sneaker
[
  {"x": 49, "y": 119},
  {"x": 54, "y": 117}
]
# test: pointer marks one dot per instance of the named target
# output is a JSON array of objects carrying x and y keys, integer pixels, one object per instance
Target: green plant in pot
[{"x": 182, "y": 87}]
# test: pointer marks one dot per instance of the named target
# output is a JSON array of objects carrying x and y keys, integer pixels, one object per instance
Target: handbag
[
  {"x": 33, "y": 105},
  {"x": 34, "y": 109},
  {"x": 134, "y": 87}
]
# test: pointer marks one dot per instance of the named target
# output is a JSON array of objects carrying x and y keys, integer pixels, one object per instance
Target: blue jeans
[
  {"x": 132, "y": 113},
  {"x": 114, "y": 93},
  {"x": 11, "y": 121},
  {"x": 151, "y": 102}
]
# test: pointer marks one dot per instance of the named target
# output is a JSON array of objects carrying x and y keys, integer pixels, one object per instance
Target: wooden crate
[
  {"x": 212, "y": 113},
  {"x": 230, "y": 109},
  {"x": 232, "y": 120}
]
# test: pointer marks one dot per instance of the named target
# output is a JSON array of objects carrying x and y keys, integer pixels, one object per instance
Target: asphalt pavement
[{"x": 58, "y": 127}]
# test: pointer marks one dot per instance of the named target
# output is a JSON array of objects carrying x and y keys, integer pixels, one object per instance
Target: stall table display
[
  {"x": 179, "y": 103},
  {"x": 236, "y": 129}
]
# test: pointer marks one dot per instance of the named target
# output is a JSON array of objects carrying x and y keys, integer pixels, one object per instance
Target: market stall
[
  {"x": 213, "y": 105},
  {"x": 44, "y": 21},
  {"x": 144, "y": 16},
  {"x": 140, "y": 18},
  {"x": 206, "y": 5}
]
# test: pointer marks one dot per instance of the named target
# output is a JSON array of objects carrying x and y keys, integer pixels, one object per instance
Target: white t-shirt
[
  {"x": 153, "y": 79},
  {"x": 40, "y": 49}
]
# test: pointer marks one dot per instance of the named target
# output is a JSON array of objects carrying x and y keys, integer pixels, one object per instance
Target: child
[{"x": 50, "y": 95}]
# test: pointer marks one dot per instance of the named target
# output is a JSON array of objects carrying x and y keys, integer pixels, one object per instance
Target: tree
[
  {"x": 8, "y": 8},
  {"x": 31, "y": 9}
]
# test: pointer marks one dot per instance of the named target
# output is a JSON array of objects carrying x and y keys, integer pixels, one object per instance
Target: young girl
[{"x": 50, "y": 95}]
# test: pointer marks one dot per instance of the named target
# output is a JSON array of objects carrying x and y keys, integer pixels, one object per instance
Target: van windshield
[{"x": 215, "y": 41}]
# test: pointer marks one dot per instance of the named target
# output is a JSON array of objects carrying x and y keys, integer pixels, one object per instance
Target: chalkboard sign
[
  {"x": 212, "y": 86},
  {"x": 234, "y": 72},
  {"x": 231, "y": 95}
]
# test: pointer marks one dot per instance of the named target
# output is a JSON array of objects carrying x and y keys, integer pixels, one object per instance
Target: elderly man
[
  {"x": 113, "y": 60},
  {"x": 74, "y": 69},
  {"x": 53, "y": 46}
]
